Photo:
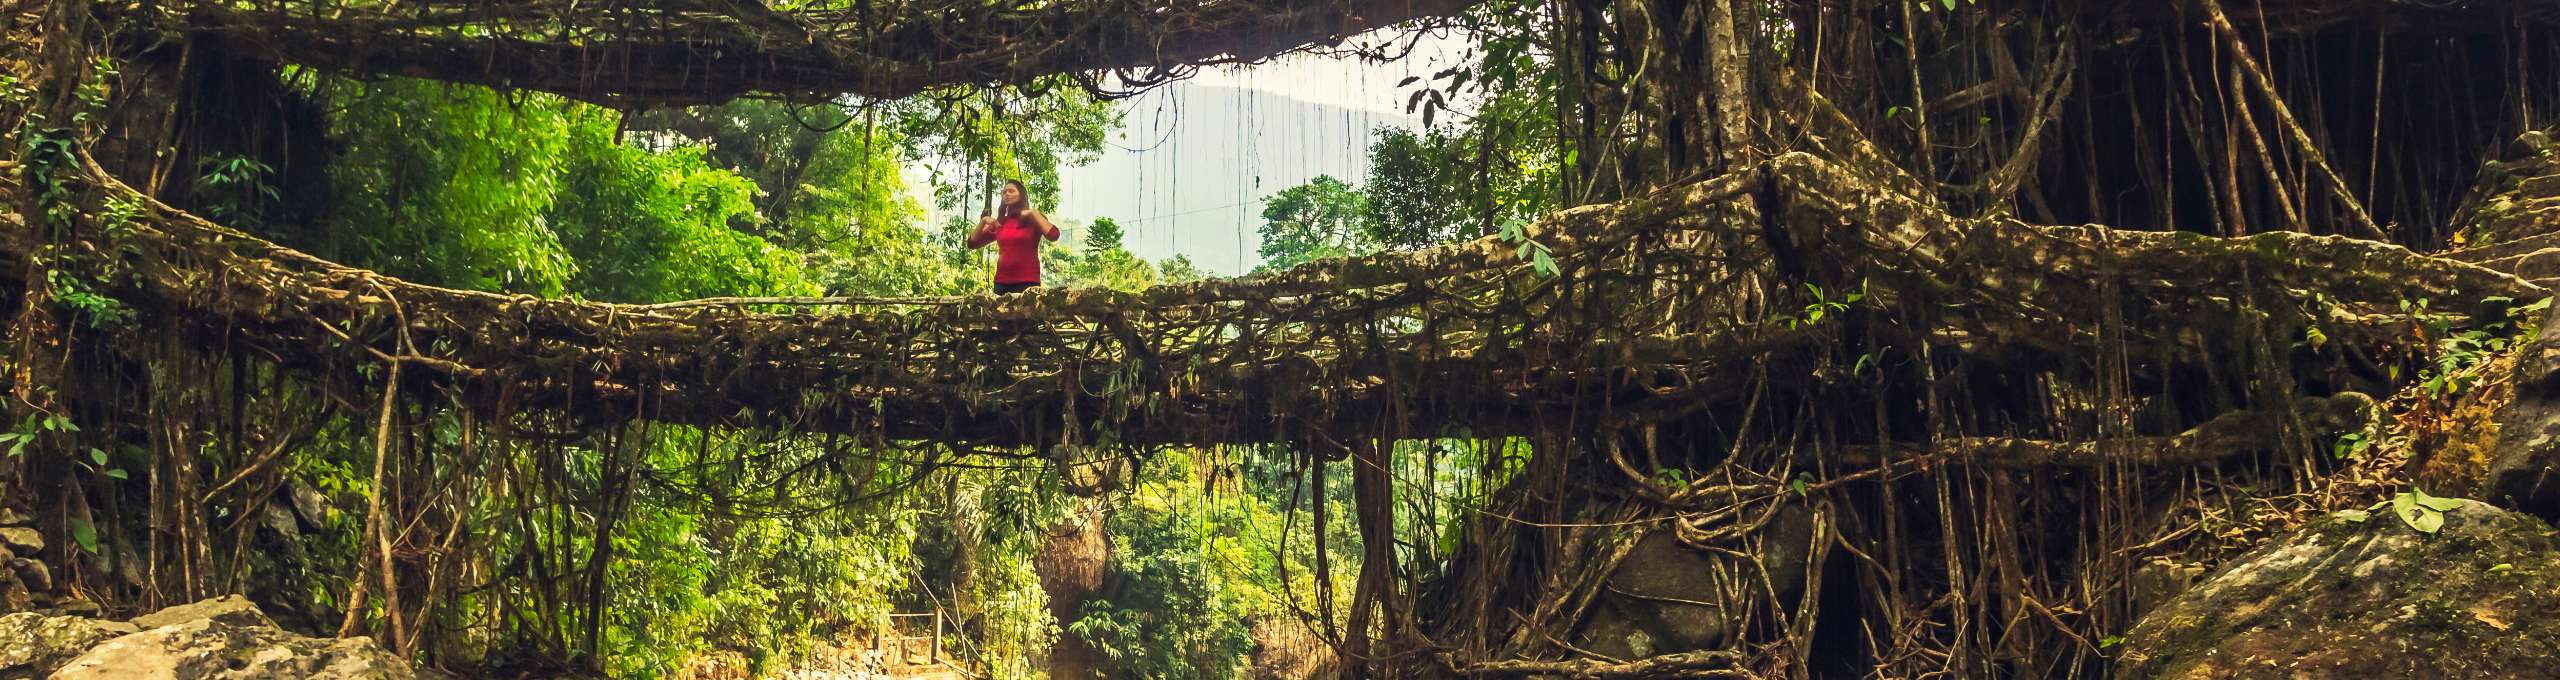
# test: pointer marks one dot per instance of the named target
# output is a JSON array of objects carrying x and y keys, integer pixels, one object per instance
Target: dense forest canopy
[{"x": 1710, "y": 337}]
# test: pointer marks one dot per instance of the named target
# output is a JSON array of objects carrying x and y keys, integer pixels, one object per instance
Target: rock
[
  {"x": 2157, "y": 583},
  {"x": 210, "y": 649},
  {"x": 14, "y": 596},
  {"x": 308, "y": 503},
  {"x": 34, "y": 574},
  {"x": 127, "y": 565},
  {"x": 280, "y": 520},
  {"x": 2359, "y": 600},
  {"x": 230, "y": 609},
  {"x": 2523, "y": 454},
  {"x": 32, "y": 645},
  {"x": 22, "y": 540},
  {"x": 1665, "y": 597},
  {"x": 78, "y": 607}
]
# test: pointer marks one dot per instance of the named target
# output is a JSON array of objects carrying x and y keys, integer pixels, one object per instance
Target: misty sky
[{"x": 1192, "y": 161}]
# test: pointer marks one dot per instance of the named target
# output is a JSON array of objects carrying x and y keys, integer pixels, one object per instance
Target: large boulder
[
  {"x": 220, "y": 639},
  {"x": 1665, "y": 597},
  {"x": 32, "y": 644},
  {"x": 208, "y": 649},
  {"x": 230, "y": 609},
  {"x": 2369, "y": 597},
  {"x": 2522, "y": 447}
]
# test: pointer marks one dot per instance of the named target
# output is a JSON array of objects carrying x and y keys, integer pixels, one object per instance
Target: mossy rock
[
  {"x": 232, "y": 609},
  {"x": 212, "y": 649},
  {"x": 32, "y": 644},
  {"x": 1664, "y": 597},
  {"x": 2369, "y": 598},
  {"x": 2524, "y": 445}
]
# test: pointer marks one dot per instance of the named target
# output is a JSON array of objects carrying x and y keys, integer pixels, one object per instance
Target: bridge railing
[{"x": 891, "y": 636}]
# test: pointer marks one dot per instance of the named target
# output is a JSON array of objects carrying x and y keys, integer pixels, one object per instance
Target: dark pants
[{"x": 1011, "y": 288}]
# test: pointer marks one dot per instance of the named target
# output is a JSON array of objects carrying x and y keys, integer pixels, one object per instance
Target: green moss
[{"x": 2347, "y": 599}]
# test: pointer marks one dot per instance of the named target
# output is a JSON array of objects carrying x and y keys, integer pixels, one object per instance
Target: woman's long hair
[{"x": 1010, "y": 209}]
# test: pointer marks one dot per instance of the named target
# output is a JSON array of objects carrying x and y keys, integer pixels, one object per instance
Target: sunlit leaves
[
  {"x": 1312, "y": 221},
  {"x": 447, "y": 185},
  {"x": 657, "y": 226}
]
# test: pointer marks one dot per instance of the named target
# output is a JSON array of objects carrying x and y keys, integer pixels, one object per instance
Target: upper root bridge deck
[{"x": 1660, "y": 306}]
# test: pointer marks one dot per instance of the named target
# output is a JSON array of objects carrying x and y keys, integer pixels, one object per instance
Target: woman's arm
[
  {"x": 986, "y": 233},
  {"x": 1047, "y": 230}
]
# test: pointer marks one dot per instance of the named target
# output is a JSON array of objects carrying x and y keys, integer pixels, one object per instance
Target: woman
[{"x": 1016, "y": 230}]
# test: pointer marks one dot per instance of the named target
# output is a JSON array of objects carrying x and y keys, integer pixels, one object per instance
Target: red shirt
[{"x": 1017, "y": 250}]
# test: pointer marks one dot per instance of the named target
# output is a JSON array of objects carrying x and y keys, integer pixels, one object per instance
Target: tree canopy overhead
[{"x": 644, "y": 53}]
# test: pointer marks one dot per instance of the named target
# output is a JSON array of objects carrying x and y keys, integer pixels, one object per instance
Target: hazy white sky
[
  {"x": 1347, "y": 82},
  {"x": 1187, "y": 172}
]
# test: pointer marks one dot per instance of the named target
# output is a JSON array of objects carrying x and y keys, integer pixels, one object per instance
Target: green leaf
[
  {"x": 2501, "y": 568},
  {"x": 116, "y": 474},
  {"x": 2110, "y": 641},
  {"x": 2354, "y": 516},
  {"x": 97, "y": 456},
  {"x": 1545, "y": 264},
  {"x": 1949, "y": 4},
  {"x": 2439, "y": 504},
  {"x": 2427, "y": 521},
  {"x": 85, "y": 535},
  {"x": 2421, "y": 516}
]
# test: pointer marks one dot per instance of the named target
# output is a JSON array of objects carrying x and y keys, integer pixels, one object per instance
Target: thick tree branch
[
  {"x": 2230, "y": 434},
  {"x": 642, "y": 53}
]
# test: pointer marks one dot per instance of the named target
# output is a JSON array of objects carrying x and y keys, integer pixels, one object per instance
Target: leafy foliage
[
  {"x": 652, "y": 227},
  {"x": 1104, "y": 234},
  {"x": 1312, "y": 221},
  {"x": 447, "y": 185},
  {"x": 1184, "y": 585}
]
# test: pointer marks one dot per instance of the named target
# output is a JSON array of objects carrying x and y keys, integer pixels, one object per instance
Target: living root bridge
[{"x": 1663, "y": 306}]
